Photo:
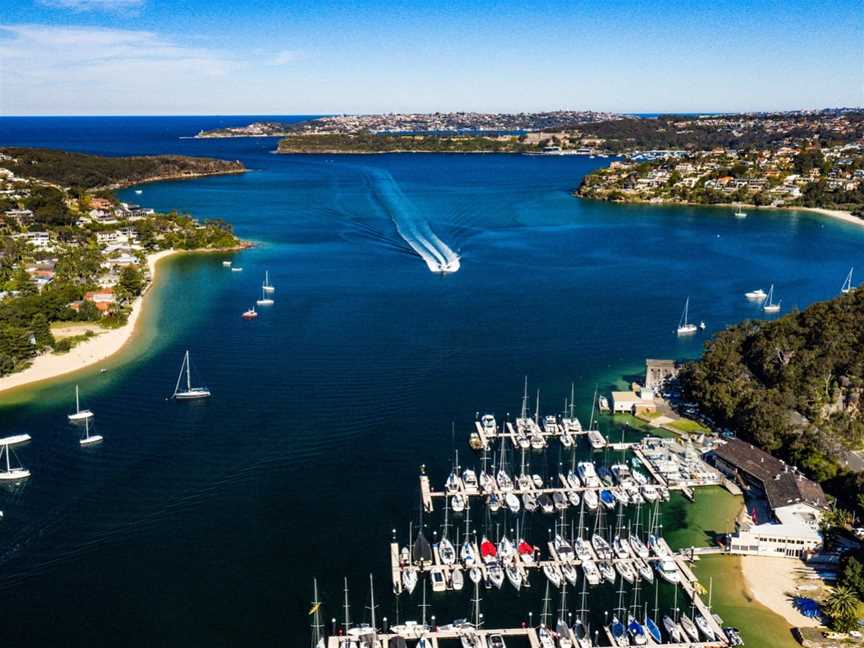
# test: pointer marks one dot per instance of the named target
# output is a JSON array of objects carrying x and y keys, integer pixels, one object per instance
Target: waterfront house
[
  {"x": 796, "y": 503},
  {"x": 629, "y": 402},
  {"x": 659, "y": 372}
]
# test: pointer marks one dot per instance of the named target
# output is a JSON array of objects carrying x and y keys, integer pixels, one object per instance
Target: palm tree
[{"x": 842, "y": 605}]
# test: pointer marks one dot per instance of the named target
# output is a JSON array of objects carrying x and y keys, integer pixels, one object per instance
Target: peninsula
[{"x": 76, "y": 261}]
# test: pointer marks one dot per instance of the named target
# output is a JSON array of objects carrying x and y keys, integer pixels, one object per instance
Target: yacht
[
  {"x": 597, "y": 441},
  {"x": 267, "y": 286},
  {"x": 10, "y": 472},
  {"x": 190, "y": 393},
  {"x": 668, "y": 570},
  {"x": 265, "y": 300},
  {"x": 685, "y": 327},
  {"x": 588, "y": 474},
  {"x": 236, "y": 269},
  {"x": 756, "y": 295},
  {"x": 768, "y": 306},
  {"x": 79, "y": 414}
]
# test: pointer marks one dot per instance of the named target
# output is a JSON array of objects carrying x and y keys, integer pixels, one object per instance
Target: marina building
[
  {"x": 796, "y": 503},
  {"x": 658, "y": 372},
  {"x": 629, "y": 402}
]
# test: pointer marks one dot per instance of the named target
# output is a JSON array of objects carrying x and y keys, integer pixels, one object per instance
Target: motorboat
[
  {"x": 588, "y": 474},
  {"x": 595, "y": 438},
  {"x": 439, "y": 582},
  {"x": 592, "y": 573},
  {"x": 756, "y": 295}
]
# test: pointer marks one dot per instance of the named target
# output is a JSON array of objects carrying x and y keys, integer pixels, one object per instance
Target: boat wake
[{"x": 411, "y": 226}]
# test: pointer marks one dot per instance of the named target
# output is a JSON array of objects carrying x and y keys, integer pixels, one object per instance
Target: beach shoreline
[
  {"x": 838, "y": 214},
  {"x": 772, "y": 582},
  {"x": 49, "y": 366}
]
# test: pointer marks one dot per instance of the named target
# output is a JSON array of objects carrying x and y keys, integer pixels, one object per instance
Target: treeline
[
  {"x": 794, "y": 386},
  {"x": 366, "y": 142},
  {"x": 78, "y": 171},
  {"x": 663, "y": 133}
]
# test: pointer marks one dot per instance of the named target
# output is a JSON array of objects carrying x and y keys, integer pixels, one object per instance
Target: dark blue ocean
[{"x": 204, "y": 523}]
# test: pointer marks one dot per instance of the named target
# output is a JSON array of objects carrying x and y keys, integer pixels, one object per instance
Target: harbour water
[{"x": 204, "y": 523}]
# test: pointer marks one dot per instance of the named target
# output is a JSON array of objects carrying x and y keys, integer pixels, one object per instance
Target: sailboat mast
[
  {"x": 77, "y": 404},
  {"x": 372, "y": 601},
  {"x": 188, "y": 373},
  {"x": 572, "y": 397},
  {"x": 316, "y": 614},
  {"x": 525, "y": 400},
  {"x": 347, "y": 623},
  {"x": 537, "y": 409}
]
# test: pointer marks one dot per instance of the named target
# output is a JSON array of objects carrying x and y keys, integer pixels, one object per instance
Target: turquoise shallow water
[{"x": 205, "y": 523}]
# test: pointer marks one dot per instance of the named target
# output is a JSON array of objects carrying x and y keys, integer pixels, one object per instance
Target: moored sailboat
[
  {"x": 685, "y": 327},
  {"x": 79, "y": 414},
  {"x": 267, "y": 287},
  {"x": 190, "y": 393}
]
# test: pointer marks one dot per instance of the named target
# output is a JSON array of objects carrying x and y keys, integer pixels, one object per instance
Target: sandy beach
[
  {"x": 773, "y": 583},
  {"x": 89, "y": 352}
]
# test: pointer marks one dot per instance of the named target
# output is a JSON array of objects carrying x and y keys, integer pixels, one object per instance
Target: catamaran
[
  {"x": 79, "y": 414},
  {"x": 89, "y": 439},
  {"x": 12, "y": 473},
  {"x": 190, "y": 393},
  {"x": 768, "y": 306},
  {"x": 847, "y": 285},
  {"x": 685, "y": 327},
  {"x": 265, "y": 300},
  {"x": 267, "y": 286}
]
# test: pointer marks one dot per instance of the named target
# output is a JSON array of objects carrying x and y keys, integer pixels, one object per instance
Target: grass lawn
[{"x": 688, "y": 427}]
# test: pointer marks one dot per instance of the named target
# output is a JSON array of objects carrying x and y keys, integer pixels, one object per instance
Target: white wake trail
[{"x": 412, "y": 227}]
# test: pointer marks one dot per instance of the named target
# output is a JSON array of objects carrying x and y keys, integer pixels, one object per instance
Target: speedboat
[
  {"x": 457, "y": 503},
  {"x": 439, "y": 582},
  {"x": 469, "y": 481},
  {"x": 704, "y": 627},
  {"x": 592, "y": 573},
  {"x": 552, "y": 573},
  {"x": 636, "y": 632},
  {"x": 756, "y": 295},
  {"x": 446, "y": 552},
  {"x": 457, "y": 579},
  {"x": 512, "y": 502},
  {"x": 591, "y": 500},
  {"x": 569, "y": 572},
  {"x": 638, "y": 547},
  {"x": 588, "y": 474},
  {"x": 626, "y": 570}
]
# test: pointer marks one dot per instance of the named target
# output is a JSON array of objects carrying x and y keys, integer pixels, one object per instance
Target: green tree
[
  {"x": 87, "y": 312},
  {"x": 852, "y": 576},
  {"x": 842, "y": 607},
  {"x": 41, "y": 330},
  {"x": 130, "y": 284}
]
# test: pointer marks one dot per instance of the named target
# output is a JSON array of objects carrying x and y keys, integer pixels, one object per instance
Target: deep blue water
[{"x": 204, "y": 523}]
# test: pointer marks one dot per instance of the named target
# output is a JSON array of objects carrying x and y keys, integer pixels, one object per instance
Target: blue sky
[{"x": 287, "y": 57}]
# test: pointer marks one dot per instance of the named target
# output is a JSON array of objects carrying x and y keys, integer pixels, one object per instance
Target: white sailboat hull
[
  {"x": 14, "y": 474},
  {"x": 83, "y": 415},
  {"x": 96, "y": 438},
  {"x": 192, "y": 394},
  {"x": 688, "y": 329}
]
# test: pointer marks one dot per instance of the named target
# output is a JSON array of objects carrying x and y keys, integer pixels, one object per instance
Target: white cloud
[
  {"x": 285, "y": 57},
  {"x": 95, "y": 5}
]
